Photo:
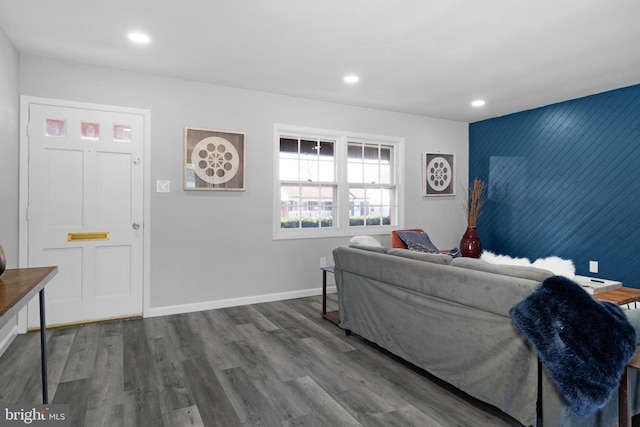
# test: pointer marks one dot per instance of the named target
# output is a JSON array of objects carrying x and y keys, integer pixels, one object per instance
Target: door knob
[{"x": 136, "y": 226}]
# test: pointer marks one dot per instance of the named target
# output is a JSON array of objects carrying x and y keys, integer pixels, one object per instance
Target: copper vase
[{"x": 470, "y": 244}]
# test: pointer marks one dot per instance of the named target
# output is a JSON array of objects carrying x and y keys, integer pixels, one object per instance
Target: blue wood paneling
[{"x": 564, "y": 180}]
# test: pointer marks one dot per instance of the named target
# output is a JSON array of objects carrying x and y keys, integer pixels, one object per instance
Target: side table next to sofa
[
  {"x": 332, "y": 316},
  {"x": 620, "y": 296}
]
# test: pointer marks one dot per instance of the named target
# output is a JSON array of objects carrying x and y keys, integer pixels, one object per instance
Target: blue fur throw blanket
[{"x": 584, "y": 344}]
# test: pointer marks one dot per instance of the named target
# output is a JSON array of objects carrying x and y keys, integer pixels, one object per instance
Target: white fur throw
[
  {"x": 365, "y": 240},
  {"x": 492, "y": 258},
  {"x": 556, "y": 265}
]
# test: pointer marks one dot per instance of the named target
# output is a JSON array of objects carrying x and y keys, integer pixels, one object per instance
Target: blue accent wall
[{"x": 564, "y": 180}]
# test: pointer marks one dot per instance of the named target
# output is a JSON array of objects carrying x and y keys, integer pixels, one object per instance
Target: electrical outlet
[
  {"x": 593, "y": 266},
  {"x": 163, "y": 186},
  {"x": 323, "y": 261}
]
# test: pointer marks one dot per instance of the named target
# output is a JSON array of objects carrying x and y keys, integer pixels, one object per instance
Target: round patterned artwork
[
  {"x": 215, "y": 160},
  {"x": 439, "y": 173}
]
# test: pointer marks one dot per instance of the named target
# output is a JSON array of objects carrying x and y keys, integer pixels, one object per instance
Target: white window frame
[{"x": 341, "y": 215}]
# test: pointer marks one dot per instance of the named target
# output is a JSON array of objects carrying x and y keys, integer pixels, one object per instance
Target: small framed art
[
  {"x": 214, "y": 160},
  {"x": 438, "y": 174}
]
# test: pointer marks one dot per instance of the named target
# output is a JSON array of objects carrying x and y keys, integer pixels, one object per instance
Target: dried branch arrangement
[{"x": 475, "y": 202}]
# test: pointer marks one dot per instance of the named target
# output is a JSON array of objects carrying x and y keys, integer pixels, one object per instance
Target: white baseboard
[
  {"x": 8, "y": 339},
  {"x": 233, "y": 302}
]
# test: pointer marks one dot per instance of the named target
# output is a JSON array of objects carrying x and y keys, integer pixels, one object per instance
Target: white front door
[{"x": 85, "y": 211}]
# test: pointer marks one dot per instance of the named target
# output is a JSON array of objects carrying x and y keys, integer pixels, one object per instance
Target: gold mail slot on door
[{"x": 78, "y": 237}]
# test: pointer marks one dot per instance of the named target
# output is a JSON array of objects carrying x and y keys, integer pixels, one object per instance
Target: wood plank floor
[{"x": 271, "y": 364}]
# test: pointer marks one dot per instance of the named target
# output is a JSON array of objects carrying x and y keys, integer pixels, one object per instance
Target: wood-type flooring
[{"x": 270, "y": 364}]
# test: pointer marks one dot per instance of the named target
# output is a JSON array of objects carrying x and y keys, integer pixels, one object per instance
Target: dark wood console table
[{"x": 17, "y": 287}]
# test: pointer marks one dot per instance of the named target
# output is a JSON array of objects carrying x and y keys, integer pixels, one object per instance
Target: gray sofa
[{"x": 451, "y": 318}]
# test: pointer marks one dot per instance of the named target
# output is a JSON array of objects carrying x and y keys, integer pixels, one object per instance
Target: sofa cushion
[
  {"x": 418, "y": 240},
  {"x": 520, "y": 271},
  {"x": 421, "y": 256},
  {"x": 379, "y": 249}
]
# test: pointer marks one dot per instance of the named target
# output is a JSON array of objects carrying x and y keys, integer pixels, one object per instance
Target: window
[
  {"x": 307, "y": 182},
  {"x": 335, "y": 183},
  {"x": 371, "y": 189}
]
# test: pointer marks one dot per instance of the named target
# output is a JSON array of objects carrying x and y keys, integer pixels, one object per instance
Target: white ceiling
[{"x": 427, "y": 57}]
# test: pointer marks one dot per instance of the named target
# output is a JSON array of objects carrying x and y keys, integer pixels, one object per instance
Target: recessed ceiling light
[
  {"x": 351, "y": 79},
  {"x": 478, "y": 103},
  {"x": 140, "y": 38}
]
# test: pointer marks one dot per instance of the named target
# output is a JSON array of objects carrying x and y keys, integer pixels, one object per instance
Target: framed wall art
[
  {"x": 438, "y": 174},
  {"x": 214, "y": 160}
]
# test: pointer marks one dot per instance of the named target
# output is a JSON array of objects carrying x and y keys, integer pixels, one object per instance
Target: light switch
[{"x": 163, "y": 186}]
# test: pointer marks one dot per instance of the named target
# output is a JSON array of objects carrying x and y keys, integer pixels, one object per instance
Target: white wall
[
  {"x": 217, "y": 246},
  {"x": 9, "y": 110}
]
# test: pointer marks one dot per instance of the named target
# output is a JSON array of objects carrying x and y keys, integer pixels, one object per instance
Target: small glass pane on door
[
  {"x": 90, "y": 130},
  {"x": 122, "y": 133},
  {"x": 56, "y": 128}
]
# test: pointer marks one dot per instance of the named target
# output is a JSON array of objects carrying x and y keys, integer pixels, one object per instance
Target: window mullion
[{"x": 342, "y": 188}]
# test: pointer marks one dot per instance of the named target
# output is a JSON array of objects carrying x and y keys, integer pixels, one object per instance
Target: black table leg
[
  {"x": 324, "y": 291},
  {"x": 43, "y": 349}
]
